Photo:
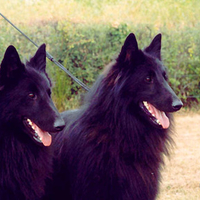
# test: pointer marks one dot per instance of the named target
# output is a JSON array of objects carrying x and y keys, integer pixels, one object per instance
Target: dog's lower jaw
[
  {"x": 158, "y": 118},
  {"x": 39, "y": 136}
]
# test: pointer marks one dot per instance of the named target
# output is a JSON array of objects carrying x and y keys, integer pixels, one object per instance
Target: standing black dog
[
  {"x": 113, "y": 146},
  {"x": 27, "y": 115}
]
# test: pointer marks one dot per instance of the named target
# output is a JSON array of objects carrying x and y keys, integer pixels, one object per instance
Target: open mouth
[
  {"x": 37, "y": 134},
  {"x": 156, "y": 116}
]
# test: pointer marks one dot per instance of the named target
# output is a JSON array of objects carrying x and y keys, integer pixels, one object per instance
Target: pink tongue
[
  {"x": 160, "y": 115},
  {"x": 44, "y": 136}
]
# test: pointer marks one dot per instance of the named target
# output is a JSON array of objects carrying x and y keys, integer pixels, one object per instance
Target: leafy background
[{"x": 85, "y": 35}]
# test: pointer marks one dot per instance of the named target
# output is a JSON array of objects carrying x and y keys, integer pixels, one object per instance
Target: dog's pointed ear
[
  {"x": 11, "y": 64},
  {"x": 38, "y": 61},
  {"x": 129, "y": 50},
  {"x": 155, "y": 47}
]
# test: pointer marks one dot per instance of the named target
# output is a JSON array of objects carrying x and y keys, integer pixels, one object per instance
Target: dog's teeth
[
  {"x": 37, "y": 138},
  {"x": 36, "y": 135},
  {"x": 29, "y": 121},
  {"x": 145, "y": 103},
  {"x": 158, "y": 122}
]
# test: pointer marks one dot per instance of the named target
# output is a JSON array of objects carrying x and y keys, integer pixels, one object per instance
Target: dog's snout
[
  {"x": 177, "y": 104},
  {"x": 59, "y": 124}
]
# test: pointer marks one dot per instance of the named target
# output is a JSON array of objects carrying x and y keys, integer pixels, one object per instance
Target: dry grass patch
[{"x": 181, "y": 175}]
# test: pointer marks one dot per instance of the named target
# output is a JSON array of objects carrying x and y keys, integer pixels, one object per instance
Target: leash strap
[{"x": 49, "y": 56}]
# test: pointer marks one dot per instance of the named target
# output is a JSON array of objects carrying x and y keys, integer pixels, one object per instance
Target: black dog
[
  {"x": 27, "y": 115},
  {"x": 113, "y": 146}
]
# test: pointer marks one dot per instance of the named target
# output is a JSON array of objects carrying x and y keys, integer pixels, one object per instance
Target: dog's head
[
  {"x": 141, "y": 78},
  {"x": 25, "y": 92}
]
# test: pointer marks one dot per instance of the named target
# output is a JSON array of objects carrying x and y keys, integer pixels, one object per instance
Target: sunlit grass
[
  {"x": 180, "y": 176},
  {"x": 172, "y": 14}
]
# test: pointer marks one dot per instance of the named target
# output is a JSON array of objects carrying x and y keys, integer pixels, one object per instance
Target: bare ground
[{"x": 181, "y": 174}]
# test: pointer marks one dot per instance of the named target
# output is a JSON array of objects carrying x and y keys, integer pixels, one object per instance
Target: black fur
[
  {"x": 25, "y": 163},
  {"x": 112, "y": 148}
]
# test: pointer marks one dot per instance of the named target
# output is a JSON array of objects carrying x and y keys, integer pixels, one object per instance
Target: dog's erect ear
[
  {"x": 38, "y": 61},
  {"x": 11, "y": 64},
  {"x": 155, "y": 47},
  {"x": 129, "y": 50}
]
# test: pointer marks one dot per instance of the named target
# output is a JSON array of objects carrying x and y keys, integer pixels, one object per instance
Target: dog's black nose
[
  {"x": 59, "y": 124},
  {"x": 177, "y": 104}
]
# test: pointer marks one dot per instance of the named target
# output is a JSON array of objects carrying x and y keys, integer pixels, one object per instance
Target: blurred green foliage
[{"x": 86, "y": 47}]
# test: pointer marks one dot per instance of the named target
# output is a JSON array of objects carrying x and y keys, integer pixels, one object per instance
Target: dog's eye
[
  {"x": 149, "y": 79},
  {"x": 32, "y": 96}
]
